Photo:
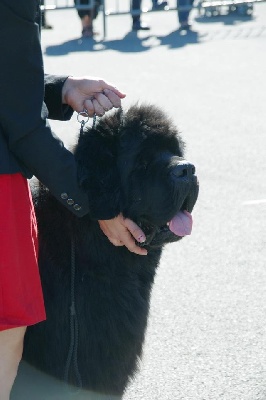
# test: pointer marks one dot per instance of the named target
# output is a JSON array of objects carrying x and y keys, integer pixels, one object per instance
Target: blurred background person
[
  {"x": 44, "y": 23},
  {"x": 87, "y": 16}
]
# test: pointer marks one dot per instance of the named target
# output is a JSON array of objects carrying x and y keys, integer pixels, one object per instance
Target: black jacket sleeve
[
  {"x": 23, "y": 114},
  {"x": 53, "y": 85}
]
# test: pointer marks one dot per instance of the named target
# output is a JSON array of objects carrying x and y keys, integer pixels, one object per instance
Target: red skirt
[{"x": 21, "y": 299}]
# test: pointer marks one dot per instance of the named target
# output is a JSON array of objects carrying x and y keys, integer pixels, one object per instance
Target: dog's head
[{"x": 134, "y": 161}]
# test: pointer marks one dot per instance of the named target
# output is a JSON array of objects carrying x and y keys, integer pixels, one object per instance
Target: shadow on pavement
[
  {"x": 178, "y": 39},
  {"x": 131, "y": 43},
  {"x": 32, "y": 384},
  {"x": 229, "y": 19}
]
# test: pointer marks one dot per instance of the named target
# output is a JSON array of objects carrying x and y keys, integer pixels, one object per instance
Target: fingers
[
  {"x": 129, "y": 242},
  {"x": 89, "y": 106},
  {"x": 98, "y": 105},
  {"x": 135, "y": 230},
  {"x": 102, "y": 102},
  {"x": 131, "y": 245},
  {"x": 116, "y": 242},
  {"x": 113, "y": 98},
  {"x": 108, "y": 87},
  {"x": 123, "y": 232}
]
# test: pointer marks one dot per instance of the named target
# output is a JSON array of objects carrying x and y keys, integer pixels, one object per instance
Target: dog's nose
[{"x": 183, "y": 169}]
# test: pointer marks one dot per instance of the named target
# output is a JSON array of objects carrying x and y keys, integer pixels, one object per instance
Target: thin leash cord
[
  {"x": 72, "y": 356},
  {"x": 74, "y": 331}
]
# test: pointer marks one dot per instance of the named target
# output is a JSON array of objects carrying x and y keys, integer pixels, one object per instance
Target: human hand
[
  {"x": 91, "y": 94},
  {"x": 122, "y": 232}
]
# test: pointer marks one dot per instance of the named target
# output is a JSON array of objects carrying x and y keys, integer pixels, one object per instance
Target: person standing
[{"x": 29, "y": 147}]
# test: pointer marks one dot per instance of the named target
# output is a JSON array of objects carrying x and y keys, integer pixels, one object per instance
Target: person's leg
[
  {"x": 136, "y": 24},
  {"x": 136, "y": 4},
  {"x": 183, "y": 16},
  {"x": 86, "y": 17},
  {"x": 11, "y": 347},
  {"x": 21, "y": 298},
  {"x": 87, "y": 28},
  {"x": 45, "y": 25},
  {"x": 159, "y": 4}
]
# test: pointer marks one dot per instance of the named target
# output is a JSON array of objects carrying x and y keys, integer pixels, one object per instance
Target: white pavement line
[{"x": 252, "y": 202}]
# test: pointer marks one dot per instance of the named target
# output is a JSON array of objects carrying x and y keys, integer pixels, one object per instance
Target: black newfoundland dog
[{"x": 97, "y": 295}]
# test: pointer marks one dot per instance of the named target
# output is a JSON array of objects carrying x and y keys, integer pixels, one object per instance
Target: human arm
[
  {"x": 76, "y": 91},
  {"x": 63, "y": 94},
  {"x": 53, "y": 86},
  {"x": 23, "y": 115}
]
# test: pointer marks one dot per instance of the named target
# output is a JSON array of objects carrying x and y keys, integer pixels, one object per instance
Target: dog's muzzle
[
  {"x": 183, "y": 170},
  {"x": 185, "y": 188}
]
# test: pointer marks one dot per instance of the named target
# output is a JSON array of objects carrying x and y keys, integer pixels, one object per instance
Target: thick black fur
[{"x": 131, "y": 162}]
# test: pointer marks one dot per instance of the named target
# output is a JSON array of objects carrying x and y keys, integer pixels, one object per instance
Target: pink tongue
[{"x": 181, "y": 224}]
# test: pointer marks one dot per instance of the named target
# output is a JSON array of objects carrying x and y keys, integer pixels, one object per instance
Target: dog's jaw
[
  {"x": 160, "y": 233},
  {"x": 158, "y": 236}
]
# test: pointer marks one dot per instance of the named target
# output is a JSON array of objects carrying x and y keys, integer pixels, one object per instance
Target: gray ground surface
[{"x": 206, "y": 338}]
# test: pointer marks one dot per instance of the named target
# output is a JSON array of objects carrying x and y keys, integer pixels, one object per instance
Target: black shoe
[
  {"x": 184, "y": 26},
  {"x": 138, "y": 27},
  {"x": 160, "y": 6},
  {"x": 47, "y": 26}
]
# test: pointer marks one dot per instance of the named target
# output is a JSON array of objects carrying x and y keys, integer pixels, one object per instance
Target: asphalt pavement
[{"x": 206, "y": 338}]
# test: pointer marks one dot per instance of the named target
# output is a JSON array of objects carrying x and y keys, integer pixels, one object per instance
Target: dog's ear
[{"x": 98, "y": 174}]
